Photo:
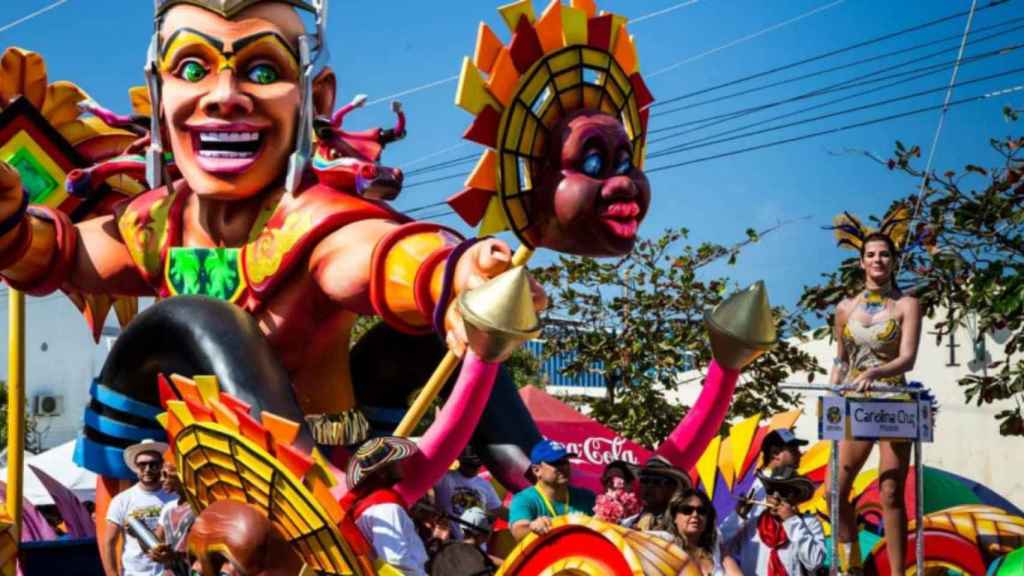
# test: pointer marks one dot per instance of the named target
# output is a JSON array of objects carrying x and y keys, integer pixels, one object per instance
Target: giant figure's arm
[
  {"x": 102, "y": 263},
  {"x": 688, "y": 441},
  {"x": 452, "y": 428}
]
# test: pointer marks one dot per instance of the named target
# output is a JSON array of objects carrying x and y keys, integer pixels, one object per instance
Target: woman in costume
[
  {"x": 877, "y": 332},
  {"x": 694, "y": 530}
]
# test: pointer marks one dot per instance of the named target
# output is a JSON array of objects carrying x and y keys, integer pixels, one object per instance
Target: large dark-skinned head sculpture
[
  {"x": 563, "y": 111},
  {"x": 234, "y": 538}
]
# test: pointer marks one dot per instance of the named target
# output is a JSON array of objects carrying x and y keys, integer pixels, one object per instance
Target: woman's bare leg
[
  {"x": 892, "y": 479},
  {"x": 852, "y": 455}
]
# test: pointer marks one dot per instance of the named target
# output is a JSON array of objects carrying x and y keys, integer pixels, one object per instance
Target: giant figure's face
[
  {"x": 593, "y": 196},
  {"x": 231, "y": 95},
  {"x": 232, "y": 538}
]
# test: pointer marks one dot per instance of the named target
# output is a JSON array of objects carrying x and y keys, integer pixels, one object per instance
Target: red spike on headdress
[
  {"x": 599, "y": 32},
  {"x": 164, "y": 389},
  {"x": 525, "y": 47},
  {"x": 471, "y": 204},
  {"x": 484, "y": 129}
]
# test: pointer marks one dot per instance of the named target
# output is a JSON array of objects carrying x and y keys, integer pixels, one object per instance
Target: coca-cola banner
[{"x": 594, "y": 444}]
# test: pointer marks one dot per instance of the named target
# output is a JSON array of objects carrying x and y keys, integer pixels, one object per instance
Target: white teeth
[
  {"x": 229, "y": 136},
  {"x": 224, "y": 154}
]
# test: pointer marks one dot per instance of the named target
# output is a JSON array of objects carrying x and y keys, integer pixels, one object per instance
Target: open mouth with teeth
[{"x": 227, "y": 151}]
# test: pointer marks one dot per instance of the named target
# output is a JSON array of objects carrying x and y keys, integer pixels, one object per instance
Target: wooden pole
[
  {"x": 15, "y": 406},
  {"x": 443, "y": 371}
]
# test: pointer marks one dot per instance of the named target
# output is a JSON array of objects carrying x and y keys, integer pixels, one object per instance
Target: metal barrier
[{"x": 842, "y": 418}]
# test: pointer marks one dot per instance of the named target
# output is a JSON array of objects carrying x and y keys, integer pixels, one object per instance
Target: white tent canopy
[{"x": 56, "y": 462}]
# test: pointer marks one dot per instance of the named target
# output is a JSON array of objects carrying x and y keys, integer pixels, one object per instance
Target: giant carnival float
[{"x": 262, "y": 228}]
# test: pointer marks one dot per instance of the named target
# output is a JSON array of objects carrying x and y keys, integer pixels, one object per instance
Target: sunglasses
[
  {"x": 149, "y": 464},
  {"x": 657, "y": 481},
  {"x": 687, "y": 510}
]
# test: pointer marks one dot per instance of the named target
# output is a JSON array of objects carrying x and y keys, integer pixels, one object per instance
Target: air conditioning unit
[{"x": 48, "y": 405}]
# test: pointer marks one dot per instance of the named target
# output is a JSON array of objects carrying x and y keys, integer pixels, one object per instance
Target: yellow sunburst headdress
[
  {"x": 569, "y": 59},
  {"x": 850, "y": 232}
]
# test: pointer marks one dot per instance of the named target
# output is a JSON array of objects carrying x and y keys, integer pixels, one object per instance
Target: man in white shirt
[
  {"x": 779, "y": 541},
  {"x": 378, "y": 511},
  {"x": 143, "y": 501},
  {"x": 462, "y": 489}
]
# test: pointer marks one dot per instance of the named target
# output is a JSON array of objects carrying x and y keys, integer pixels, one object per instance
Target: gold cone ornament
[
  {"x": 499, "y": 315},
  {"x": 742, "y": 327}
]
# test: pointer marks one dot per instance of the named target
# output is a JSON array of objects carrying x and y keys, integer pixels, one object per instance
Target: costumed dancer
[{"x": 877, "y": 333}]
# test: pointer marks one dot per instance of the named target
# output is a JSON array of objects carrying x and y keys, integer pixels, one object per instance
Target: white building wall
[
  {"x": 967, "y": 440},
  {"x": 61, "y": 359}
]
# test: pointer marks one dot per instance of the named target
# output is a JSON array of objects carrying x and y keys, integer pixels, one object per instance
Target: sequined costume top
[{"x": 873, "y": 344}]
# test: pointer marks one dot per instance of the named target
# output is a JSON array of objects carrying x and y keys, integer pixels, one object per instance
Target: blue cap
[
  {"x": 548, "y": 451},
  {"x": 783, "y": 437}
]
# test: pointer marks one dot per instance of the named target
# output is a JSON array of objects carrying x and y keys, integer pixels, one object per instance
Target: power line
[
  {"x": 915, "y": 74},
  {"x": 446, "y": 164},
  {"x": 797, "y": 112},
  {"x": 858, "y": 81},
  {"x": 39, "y": 12},
  {"x": 746, "y": 38},
  {"x": 985, "y": 96},
  {"x": 691, "y": 146},
  {"x": 435, "y": 154},
  {"x": 854, "y": 64},
  {"x": 828, "y": 54},
  {"x": 426, "y": 207},
  {"x": 433, "y": 180},
  {"x": 942, "y": 118},
  {"x": 449, "y": 79}
]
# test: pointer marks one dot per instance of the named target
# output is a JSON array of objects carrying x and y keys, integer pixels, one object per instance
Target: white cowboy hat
[{"x": 132, "y": 452}]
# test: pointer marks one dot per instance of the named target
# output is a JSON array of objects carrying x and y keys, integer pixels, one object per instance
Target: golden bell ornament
[
  {"x": 499, "y": 315},
  {"x": 741, "y": 327}
]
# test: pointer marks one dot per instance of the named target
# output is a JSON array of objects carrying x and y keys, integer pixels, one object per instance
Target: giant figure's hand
[
  {"x": 11, "y": 198},
  {"x": 485, "y": 260}
]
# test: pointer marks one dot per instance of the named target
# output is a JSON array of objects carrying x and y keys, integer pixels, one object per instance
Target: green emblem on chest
[{"x": 213, "y": 272}]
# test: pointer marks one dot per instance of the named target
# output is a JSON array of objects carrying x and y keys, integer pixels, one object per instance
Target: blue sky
[{"x": 384, "y": 47}]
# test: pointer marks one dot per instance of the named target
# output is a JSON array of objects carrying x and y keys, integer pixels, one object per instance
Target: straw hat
[
  {"x": 375, "y": 454},
  {"x": 786, "y": 479},
  {"x": 132, "y": 452}
]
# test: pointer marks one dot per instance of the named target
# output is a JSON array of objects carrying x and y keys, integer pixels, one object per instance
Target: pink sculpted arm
[
  {"x": 340, "y": 264},
  {"x": 687, "y": 442},
  {"x": 451, "y": 430}
]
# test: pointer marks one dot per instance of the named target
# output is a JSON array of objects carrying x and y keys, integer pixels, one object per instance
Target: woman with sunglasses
[{"x": 694, "y": 531}]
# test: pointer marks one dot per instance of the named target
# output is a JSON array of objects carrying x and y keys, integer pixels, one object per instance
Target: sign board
[{"x": 874, "y": 419}]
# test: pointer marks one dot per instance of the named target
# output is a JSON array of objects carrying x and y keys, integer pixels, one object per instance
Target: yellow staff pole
[
  {"x": 15, "y": 406},
  {"x": 443, "y": 371}
]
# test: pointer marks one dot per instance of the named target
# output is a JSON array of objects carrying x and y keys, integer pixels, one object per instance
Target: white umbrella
[{"x": 57, "y": 462}]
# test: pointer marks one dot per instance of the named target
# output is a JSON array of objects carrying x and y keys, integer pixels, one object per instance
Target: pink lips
[{"x": 621, "y": 218}]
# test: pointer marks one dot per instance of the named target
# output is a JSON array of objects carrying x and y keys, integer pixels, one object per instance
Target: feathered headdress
[
  {"x": 570, "y": 58},
  {"x": 850, "y": 232}
]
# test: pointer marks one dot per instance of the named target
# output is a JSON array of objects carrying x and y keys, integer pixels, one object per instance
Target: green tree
[
  {"x": 33, "y": 435},
  {"x": 639, "y": 322},
  {"x": 964, "y": 260}
]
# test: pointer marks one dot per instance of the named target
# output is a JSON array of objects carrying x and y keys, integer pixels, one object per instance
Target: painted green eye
[
  {"x": 263, "y": 74},
  {"x": 193, "y": 71}
]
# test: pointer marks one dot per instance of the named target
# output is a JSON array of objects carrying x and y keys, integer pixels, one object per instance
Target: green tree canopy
[{"x": 639, "y": 322}]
